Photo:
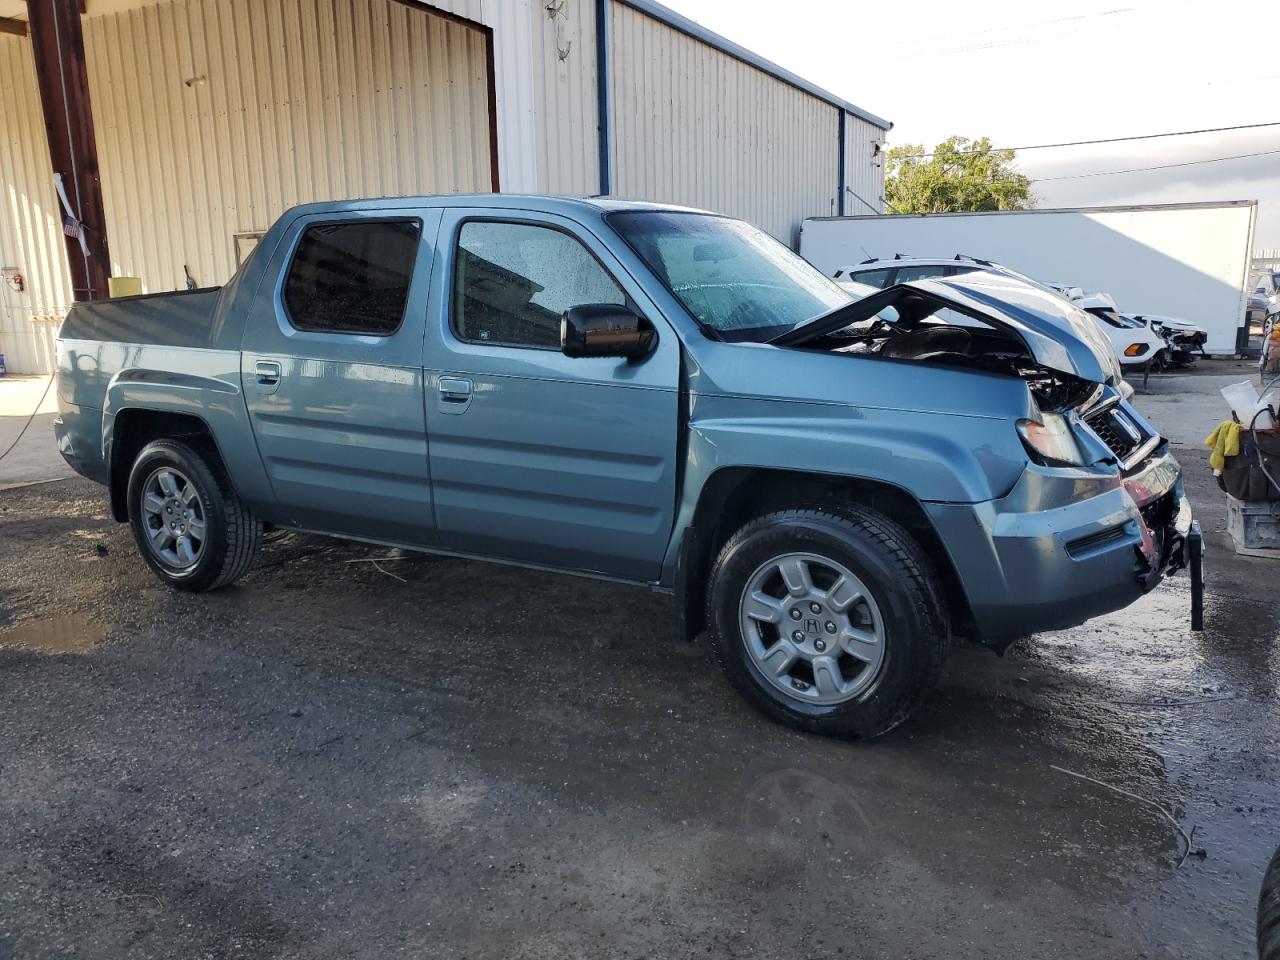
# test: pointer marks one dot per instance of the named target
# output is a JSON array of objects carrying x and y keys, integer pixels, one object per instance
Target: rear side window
[
  {"x": 512, "y": 282},
  {"x": 352, "y": 277},
  {"x": 921, "y": 272},
  {"x": 872, "y": 278}
]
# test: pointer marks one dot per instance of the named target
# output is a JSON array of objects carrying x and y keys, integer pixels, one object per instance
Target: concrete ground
[
  {"x": 451, "y": 759},
  {"x": 35, "y": 458}
]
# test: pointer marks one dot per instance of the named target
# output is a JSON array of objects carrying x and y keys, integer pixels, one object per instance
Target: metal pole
[{"x": 604, "y": 97}]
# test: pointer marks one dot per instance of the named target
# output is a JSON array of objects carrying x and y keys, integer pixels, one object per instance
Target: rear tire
[
  {"x": 823, "y": 661},
  {"x": 190, "y": 526}
]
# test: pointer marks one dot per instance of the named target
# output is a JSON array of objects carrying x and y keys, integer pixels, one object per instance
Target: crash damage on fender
[{"x": 1087, "y": 445}]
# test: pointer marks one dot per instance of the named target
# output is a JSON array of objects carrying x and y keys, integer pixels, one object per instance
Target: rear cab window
[{"x": 352, "y": 277}]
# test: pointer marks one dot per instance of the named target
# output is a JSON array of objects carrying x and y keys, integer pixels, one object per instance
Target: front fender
[{"x": 948, "y": 457}]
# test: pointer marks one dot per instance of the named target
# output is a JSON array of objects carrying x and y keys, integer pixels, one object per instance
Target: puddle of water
[{"x": 59, "y": 635}]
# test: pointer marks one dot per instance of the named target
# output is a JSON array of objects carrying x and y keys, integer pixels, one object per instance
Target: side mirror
[{"x": 606, "y": 330}]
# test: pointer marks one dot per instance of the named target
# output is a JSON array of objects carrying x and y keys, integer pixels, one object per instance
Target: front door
[
  {"x": 331, "y": 365},
  {"x": 536, "y": 456}
]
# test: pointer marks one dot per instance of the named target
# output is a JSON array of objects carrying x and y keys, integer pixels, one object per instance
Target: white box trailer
[{"x": 1186, "y": 260}]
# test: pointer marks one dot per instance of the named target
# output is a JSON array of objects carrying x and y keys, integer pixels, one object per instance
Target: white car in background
[
  {"x": 1136, "y": 344},
  {"x": 1186, "y": 340}
]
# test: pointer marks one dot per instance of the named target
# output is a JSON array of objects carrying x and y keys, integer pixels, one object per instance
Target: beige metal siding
[
  {"x": 864, "y": 168},
  {"x": 30, "y": 221},
  {"x": 564, "y": 56},
  {"x": 693, "y": 125},
  {"x": 214, "y": 116}
]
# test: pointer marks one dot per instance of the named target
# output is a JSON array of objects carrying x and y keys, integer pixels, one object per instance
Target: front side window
[
  {"x": 512, "y": 282},
  {"x": 352, "y": 277},
  {"x": 738, "y": 282}
]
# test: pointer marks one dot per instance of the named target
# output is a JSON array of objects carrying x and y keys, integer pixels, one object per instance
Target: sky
[{"x": 1030, "y": 72}]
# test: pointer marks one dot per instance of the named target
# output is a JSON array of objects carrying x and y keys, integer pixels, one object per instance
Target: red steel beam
[{"x": 57, "y": 41}]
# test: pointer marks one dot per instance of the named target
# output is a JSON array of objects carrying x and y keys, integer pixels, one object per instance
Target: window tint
[
  {"x": 352, "y": 277},
  {"x": 873, "y": 278},
  {"x": 919, "y": 272},
  {"x": 512, "y": 281}
]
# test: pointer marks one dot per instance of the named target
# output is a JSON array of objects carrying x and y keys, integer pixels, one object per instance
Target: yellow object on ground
[
  {"x": 1225, "y": 441},
  {"x": 124, "y": 286}
]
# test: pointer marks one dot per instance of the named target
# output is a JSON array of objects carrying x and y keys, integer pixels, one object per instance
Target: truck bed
[{"x": 181, "y": 319}]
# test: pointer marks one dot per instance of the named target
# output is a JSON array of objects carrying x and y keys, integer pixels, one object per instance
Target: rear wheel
[
  {"x": 828, "y": 620},
  {"x": 189, "y": 524}
]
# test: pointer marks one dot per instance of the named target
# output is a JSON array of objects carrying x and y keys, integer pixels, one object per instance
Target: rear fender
[{"x": 215, "y": 400}]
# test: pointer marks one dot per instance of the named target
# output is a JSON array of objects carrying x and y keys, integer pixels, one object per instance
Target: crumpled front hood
[{"x": 1060, "y": 336}]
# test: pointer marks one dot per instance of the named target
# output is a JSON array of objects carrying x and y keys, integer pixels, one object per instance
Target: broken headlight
[{"x": 1050, "y": 441}]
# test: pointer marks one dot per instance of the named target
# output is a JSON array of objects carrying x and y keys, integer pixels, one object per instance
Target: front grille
[{"x": 1119, "y": 432}]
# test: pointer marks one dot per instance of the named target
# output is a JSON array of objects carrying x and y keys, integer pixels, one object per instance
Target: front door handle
[
  {"x": 455, "y": 394},
  {"x": 267, "y": 372}
]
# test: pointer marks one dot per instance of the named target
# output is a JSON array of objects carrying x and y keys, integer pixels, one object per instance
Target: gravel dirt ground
[{"x": 453, "y": 759}]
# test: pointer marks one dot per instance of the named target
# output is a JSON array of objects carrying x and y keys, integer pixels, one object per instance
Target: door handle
[
  {"x": 267, "y": 372},
  {"x": 455, "y": 394},
  {"x": 454, "y": 388}
]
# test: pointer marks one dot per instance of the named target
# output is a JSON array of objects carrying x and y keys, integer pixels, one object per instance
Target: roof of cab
[{"x": 496, "y": 201}]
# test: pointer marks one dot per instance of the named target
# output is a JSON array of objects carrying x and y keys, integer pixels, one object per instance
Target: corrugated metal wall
[
  {"x": 214, "y": 116},
  {"x": 546, "y": 92},
  {"x": 564, "y": 47},
  {"x": 30, "y": 222},
  {"x": 693, "y": 125},
  {"x": 864, "y": 168}
]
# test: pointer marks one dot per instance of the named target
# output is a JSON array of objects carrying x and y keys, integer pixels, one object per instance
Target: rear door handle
[
  {"x": 268, "y": 372},
  {"x": 455, "y": 394}
]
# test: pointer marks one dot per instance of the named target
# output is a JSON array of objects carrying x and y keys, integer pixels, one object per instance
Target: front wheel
[
  {"x": 190, "y": 526},
  {"x": 828, "y": 620}
]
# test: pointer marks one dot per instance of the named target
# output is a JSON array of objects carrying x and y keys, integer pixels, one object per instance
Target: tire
[
  {"x": 1269, "y": 912},
  {"x": 902, "y": 607},
  {"x": 229, "y": 534}
]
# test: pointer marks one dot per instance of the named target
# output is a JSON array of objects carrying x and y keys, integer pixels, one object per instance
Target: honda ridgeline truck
[{"x": 832, "y": 488}]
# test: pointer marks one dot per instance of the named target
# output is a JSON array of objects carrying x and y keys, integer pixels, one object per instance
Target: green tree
[{"x": 960, "y": 174}]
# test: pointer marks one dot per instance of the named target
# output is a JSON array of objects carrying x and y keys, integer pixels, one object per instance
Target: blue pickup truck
[{"x": 832, "y": 488}]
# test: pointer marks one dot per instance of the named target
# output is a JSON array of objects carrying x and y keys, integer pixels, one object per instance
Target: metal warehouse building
[{"x": 182, "y": 129}]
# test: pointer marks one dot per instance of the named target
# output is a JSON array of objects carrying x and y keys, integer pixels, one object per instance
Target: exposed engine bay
[{"x": 920, "y": 330}]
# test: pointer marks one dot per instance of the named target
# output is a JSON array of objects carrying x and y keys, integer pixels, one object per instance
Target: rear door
[
  {"x": 535, "y": 456},
  {"x": 331, "y": 365}
]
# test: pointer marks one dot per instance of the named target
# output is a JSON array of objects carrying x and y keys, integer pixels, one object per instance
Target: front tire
[
  {"x": 189, "y": 524},
  {"x": 828, "y": 620}
]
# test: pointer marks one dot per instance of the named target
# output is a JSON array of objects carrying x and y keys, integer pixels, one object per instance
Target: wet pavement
[{"x": 487, "y": 762}]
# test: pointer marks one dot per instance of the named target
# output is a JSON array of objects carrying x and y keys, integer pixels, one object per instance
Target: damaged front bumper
[{"x": 1066, "y": 545}]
